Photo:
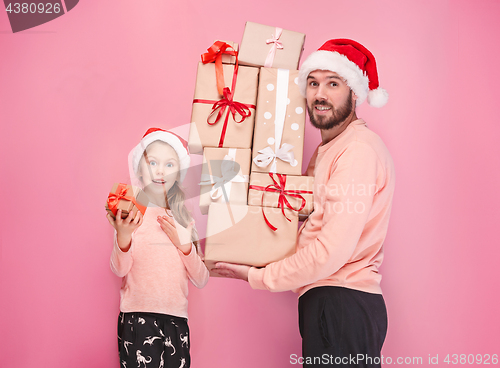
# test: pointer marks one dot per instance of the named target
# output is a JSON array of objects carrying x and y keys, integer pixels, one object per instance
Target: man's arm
[{"x": 346, "y": 201}]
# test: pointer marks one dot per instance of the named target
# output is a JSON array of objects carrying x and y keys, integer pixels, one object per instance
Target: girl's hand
[
  {"x": 167, "y": 224},
  {"x": 125, "y": 227}
]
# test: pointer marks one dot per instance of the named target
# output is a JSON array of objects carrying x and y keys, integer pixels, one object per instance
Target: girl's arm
[
  {"x": 121, "y": 258},
  {"x": 125, "y": 227},
  {"x": 195, "y": 267}
]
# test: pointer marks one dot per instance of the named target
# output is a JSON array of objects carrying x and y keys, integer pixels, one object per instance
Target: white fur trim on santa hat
[
  {"x": 378, "y": 97},
  {"x": 168, "y": 138},
  {"x": 340, "y": 64}
]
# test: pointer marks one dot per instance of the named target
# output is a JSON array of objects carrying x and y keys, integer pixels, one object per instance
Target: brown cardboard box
[
  {"x": 237, "y": 135},
  {"x": 254, "y": 49},
  {"x": 271, "y": 198},
  {"x": 227, "y": 165},
  {"x": 279, "y": 101},
  {"x": 123, "y": 193},
  {"x": 239, "y": 234}
]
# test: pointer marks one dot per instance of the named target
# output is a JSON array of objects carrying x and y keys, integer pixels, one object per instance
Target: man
[{"x": 342, "y": 314}]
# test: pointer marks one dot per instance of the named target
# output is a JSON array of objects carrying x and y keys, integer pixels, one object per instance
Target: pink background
[{"x": 77, "y": 93}]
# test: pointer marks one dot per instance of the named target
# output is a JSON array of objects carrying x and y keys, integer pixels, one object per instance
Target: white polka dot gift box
[
  {"x": 278, "y": 141},
  {"x": 270, "y": 47}
]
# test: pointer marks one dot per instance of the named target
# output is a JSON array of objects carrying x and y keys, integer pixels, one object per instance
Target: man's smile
[{"x": 322, "y": 107}]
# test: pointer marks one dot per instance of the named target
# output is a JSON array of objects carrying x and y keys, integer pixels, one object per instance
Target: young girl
[{"x": 156, "y": 255}]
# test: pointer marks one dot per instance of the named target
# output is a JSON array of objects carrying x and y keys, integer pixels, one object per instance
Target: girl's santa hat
[
  {"x": 177, "y": 143},
  {"x": 354, "y": 63}
]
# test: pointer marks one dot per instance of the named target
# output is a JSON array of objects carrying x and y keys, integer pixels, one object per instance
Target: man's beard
[{"x": 339, "y": 115}]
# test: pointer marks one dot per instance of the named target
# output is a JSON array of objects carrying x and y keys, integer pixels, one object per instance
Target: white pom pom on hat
[
  {"x": 354, "y": 63},
  {"x": 377, "y": 97},
  {"x": 176, "y": 142}
]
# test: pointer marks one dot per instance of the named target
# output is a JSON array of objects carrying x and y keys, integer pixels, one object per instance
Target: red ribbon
[
  {"x": 214, "y": 54},
  {"x": 233, "y": 107},
  {"x": 282, "y": 200},
  {"x": 115, "y": 198}
]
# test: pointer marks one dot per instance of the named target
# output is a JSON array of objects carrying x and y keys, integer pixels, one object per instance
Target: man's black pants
[{"x": 342, "y": 327}]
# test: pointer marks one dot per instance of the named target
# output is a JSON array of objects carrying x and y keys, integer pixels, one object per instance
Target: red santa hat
[
  {"x": 354, "y": 63},
  {"x": 177, "y": 143}
]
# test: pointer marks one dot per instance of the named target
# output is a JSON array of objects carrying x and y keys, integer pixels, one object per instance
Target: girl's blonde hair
[{"x": 175, "y": 203}]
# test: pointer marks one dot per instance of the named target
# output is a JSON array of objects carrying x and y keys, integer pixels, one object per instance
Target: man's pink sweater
[
  {"x": 155, "y": 273},
  {"x": 341, "y": 243}
]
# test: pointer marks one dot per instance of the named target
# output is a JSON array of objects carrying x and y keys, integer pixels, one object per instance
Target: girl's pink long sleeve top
[{"x": 155, "y": 273}]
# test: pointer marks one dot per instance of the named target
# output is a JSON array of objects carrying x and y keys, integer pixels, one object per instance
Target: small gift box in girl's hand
[
  {"x": 126, "y": 198},
  {"x": 271, "y": 47}
]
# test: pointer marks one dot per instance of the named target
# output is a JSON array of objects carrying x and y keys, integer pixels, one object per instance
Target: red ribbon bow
[
  {"x": 282, "y": 200},
  {"x": 214, "y": 54},
  {"x": 233, "y": 107},
  {"x": 115, "y": 198},
  {"x": 216, "y": 51}
]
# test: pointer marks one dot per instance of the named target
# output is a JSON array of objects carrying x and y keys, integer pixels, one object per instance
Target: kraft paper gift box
[
  {"x": 126, "y": 198},
  {"x": 224, "y": 176},
  {"x": 265, "y": 188},
  {"x": 278, "y": 142},
  {"x": 240, "y": 234},
  {"x": 270, "y": 47},
  {"x": 218, "y": 128}
]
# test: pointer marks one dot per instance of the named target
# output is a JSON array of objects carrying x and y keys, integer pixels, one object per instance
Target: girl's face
[{"x": 159, "y": 169}]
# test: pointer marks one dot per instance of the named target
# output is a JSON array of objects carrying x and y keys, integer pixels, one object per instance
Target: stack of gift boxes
[{"x": 248, "y": 121}]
